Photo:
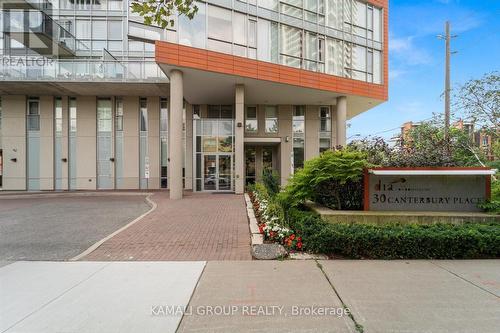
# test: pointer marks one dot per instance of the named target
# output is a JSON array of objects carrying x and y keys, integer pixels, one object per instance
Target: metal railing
[
  {"x": 35, "y": 21},
  {"x": 82, "y": 70}
]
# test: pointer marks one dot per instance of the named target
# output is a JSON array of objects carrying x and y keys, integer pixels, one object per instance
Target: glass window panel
[
  {"x": 215, "y": 45},
  {"x": 334, "y": 14},
  {"x": 104, "y": 115},
  {"x": 291, "y": 41},
  {"x": 209, "y": 144},
  {"x": 269, "y": 4},
  {"x": 82, "y": 29},
  {"x": 311, "y": 5},
  {"x": 115, "y": 30},
  {"x": 267, "y": 158},
  {"x": 209, "y": 127},
  {"x": 143, "y": 114},
  {"x": 377, "y": 67},
  {"x": 193, "y": 32},
  {"x": 213, "y": 111},
  {"x": 239, "y": 28},
  {"x": 252, "y": 33},
  {"x": 225, "y": 144},
  {"x": 311, "y": 46},
  {"x": 324, "y": 144},
  {"x": 98, "y": 29},
  {"x": 226, "y": 111},
  {"x": 359, "y": 58},
  {"x": 377, "y": 27},
  {"x": 219, "y": 23},
  {"x": 115, "y": 4},
  {"x": 225, "y": 127},
  {"x": 360, "y": 14}
]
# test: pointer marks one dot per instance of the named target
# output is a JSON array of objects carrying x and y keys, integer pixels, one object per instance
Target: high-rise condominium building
[{"x": 91, "y": 98}]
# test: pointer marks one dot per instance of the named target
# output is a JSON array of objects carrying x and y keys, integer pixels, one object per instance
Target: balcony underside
[{"x": 205, "y": 87}]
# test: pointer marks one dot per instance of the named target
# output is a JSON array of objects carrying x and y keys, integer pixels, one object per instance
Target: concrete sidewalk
[{"x": 251, "y": 296}]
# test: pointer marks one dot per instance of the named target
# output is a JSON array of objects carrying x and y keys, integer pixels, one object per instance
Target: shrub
[
  {"x": 493, "y": 205},
  {"x": 271, "y": 181},
  {"x": 396, "y": 241},
  {"x": 333, "y": 170}
]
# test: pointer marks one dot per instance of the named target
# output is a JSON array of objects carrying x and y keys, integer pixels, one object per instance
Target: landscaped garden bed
[{"x": 283, "y": 218}]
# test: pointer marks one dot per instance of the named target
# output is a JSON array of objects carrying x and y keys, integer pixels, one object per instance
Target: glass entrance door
[{"x": 217, "y": 172}]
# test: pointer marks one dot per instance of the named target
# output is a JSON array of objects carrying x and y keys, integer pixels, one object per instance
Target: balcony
[
  {"x": 43, "y": 5},
  {"x": 84, "y": 70},
  {"x": 39, "y": 32}
]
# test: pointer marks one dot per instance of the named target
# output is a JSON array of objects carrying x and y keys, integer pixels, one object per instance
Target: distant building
[{"x": 478, "y": 138}]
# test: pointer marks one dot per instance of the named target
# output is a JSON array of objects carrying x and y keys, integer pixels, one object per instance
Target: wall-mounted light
[
  {"x": 287, "y": 138},
  {"x": 239, "y": 124},
  {"x": 112, "y": 159}
]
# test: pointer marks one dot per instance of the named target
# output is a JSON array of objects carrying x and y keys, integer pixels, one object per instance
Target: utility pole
[{"x": 447, "y": 86}]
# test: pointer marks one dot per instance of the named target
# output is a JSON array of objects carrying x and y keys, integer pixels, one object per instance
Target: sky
[{"x": 417, "y": 59}]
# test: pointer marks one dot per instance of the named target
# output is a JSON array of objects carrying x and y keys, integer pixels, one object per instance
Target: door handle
[{"x": 112, "y": 159}]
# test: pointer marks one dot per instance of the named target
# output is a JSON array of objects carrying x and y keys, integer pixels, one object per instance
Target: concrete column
[
  {"x": 341, "y": 120},
  {"x": 175, "y": 134},
  {"x": 239, "y": 154}
]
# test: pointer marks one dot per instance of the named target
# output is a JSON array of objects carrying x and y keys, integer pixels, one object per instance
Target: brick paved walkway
[{"x": 198, "y": 227}]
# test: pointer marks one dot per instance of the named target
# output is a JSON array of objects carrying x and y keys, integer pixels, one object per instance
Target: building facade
[{"x": 91, "y": 98}]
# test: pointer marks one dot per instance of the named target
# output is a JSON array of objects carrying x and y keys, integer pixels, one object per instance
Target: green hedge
[{"x": 396, "y": 241}]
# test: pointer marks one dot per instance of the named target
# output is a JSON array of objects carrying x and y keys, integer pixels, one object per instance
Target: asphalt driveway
[{"x": 59, "y": 227}]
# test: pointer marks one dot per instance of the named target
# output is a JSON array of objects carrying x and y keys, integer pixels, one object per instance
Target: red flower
[
  {"x": 292, "y": 237},
  {"x": 299, "y": 245},
  {"x": 299, "y": 239},
  {"x": 261, "y": 229}
]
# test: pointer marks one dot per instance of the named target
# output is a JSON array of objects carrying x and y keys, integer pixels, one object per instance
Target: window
[
  {"x": 143, "y": 108},
  {"x": 251, "y": 123},
  {"x": 115, "y": 30},
  {"x": 192, "y": 32},
  {"x": 219, "y": 24},
  {"x": 269, "y": 4},
  {"x": 119, "y": 114},
  {"x": 220, "y": 111},
  {"x": 271, "y": 119},
  {"x": 82, "y": 29},
  {"x": 58, "y": 121},
  {"x": 325, "y": 125},
  {"x": 298, "y": 121},
  {"x": 267, "y": 158},
  {"x": 239, "y": 29},
  {"x": 115, "y": 4},
  {"x": 164, "y": 142},
  {"x": 250, "y": 165},
  {"x": 104, "y": 115},
  {"x": 267, "y": 41},
  {"x": 98, "y": 29},
  {"x": 291, "y": 46},
  {"x": 377, "y": 67},
  {"x": 33, "y": 115},
  {"x": 72, "y": 114}
]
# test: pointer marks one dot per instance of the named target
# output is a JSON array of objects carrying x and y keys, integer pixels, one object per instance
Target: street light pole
[{"x": 447, "y": 85}]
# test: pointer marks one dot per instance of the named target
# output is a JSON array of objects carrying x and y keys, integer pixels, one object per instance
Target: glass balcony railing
[
  {"x": 37, "y": 22},
  {"x": 85, "y": 70}
]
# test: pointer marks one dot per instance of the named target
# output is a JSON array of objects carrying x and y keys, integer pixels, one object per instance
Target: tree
[
  {"x": 161, "y": 12},
  {"x": 479, "y": 100}
]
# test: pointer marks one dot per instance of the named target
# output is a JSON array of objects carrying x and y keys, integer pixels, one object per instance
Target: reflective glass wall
[{"x": 338, "y": 37}]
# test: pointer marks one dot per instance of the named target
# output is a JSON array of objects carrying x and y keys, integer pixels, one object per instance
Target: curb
[
  {"x": 257, "y": 237},
  {"x": 99, "y": 243}
]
